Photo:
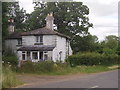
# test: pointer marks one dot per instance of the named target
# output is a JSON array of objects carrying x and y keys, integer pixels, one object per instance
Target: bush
[
  {"x": 43, "y": 67},
  {"x": 13, "y": 60},
  {"x": 39, "y": 67},
  {"x": 92, "y": 58}
]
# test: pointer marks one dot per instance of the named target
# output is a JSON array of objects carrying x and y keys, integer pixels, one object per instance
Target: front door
[
  {"x": 35, "y": 56},
  {"x": 41, "y": 55}
]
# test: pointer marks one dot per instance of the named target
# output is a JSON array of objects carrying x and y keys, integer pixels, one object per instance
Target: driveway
[{"x": 107, "y": 79}]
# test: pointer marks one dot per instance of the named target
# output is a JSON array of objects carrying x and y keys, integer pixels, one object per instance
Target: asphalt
[{"x": 107, "y": 79}]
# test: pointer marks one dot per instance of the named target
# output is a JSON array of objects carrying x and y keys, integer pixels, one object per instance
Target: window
[
  {"x": 23, "y": 55},
  {"x": 35, "y": 56},
  {"x": 19, "y": 42},
  {"x": 39, "y": 39}
]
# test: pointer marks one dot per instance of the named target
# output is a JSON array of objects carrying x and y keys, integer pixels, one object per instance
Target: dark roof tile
[
  {"x": 37, "y": 48},
  {"x": 43, "y": 31},
  {"x": 15, "y": 35}
]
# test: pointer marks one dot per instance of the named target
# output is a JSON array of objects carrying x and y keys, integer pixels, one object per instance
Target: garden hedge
[{"x": 93, "y": 59}]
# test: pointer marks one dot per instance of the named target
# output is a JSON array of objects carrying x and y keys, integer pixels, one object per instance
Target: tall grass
[
  {"x": 8, "y": 78},
  {"x": 50, "y": 68}
]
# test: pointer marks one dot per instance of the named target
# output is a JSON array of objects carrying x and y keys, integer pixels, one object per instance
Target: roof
[
  {"x": 44, "y": 31},
  {"x": 37, "y": 48},
  {"x": 15, "y": 35}
]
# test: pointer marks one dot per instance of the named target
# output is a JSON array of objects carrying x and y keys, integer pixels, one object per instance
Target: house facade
[{"x": 41, "y": 44}]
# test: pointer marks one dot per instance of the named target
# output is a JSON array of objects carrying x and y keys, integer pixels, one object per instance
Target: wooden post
[
  {"x": 31, "y": 55},
  {"x": 38, "y": 56},
  {"x": 43, "y": 55}
]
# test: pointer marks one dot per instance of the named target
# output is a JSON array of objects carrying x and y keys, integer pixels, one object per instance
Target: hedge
[{"x": 92, "y": 58}]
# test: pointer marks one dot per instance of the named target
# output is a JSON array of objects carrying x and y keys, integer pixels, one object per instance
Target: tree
[
  {"x": 5, "y": 11},
  {"x": 86, "y": 43},
  {"x": 110, "y": 44},
  {"x": 111, "y": 41},
  {"x": 12, "y": 10},
  {"x": 71, "y": 18}
]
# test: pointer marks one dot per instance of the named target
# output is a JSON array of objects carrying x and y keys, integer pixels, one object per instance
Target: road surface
[{"x": 107, "y": 79}]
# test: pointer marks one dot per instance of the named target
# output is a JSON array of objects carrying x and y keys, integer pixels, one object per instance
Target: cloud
[
  {"x": 104, "y": 16},
  {"x": 27, "y": 5}
]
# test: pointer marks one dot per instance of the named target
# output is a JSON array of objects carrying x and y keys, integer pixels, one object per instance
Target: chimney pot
[{"x": 49, "y": 21}]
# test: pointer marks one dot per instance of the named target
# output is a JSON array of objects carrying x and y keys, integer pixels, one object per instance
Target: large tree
[
  {"x": 110, "y": 44},
  {"x": 71, "y": 18},
  {"x": 86, "y": 43}
]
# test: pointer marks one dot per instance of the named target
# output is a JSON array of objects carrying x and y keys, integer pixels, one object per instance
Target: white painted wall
[
  {"x": 11, "y": 43},
  {"x": 19, "y": 55},
  {"x": 70, "y": 50},
  {"x": 28, "y": 40},
  {"x": 49, "y": 39},
  {"x": 60, "y": 42},
  {"x": 60, "y": 47},
  {"x": 31, "y": 40}
]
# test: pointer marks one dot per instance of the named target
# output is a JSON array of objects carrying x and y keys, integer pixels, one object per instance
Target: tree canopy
[{"x": 70, "y": 18}]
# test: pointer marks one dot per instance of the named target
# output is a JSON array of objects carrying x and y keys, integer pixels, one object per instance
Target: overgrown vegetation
[
  {"x": 9, "y": 78},
  {"x": 42, "y": 67},
  {"x": 9, "y": 57},
  {"x": 92, "y": 58},
  {"x": 51, "y": 68}
]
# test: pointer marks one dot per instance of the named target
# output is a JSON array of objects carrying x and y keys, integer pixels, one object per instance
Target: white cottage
[{"x": 41, "y": 44}]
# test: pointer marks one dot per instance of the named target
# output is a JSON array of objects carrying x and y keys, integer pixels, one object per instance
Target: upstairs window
[
  {"x": 39, "y": 39},
  {"x": 19, "y": 42}
]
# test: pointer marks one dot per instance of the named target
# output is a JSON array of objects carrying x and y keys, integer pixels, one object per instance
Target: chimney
[
  {"x": 11, "y": 25},
  {"x": 49, "y": 21}
]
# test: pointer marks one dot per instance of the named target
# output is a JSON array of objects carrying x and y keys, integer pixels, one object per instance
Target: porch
[
  {"x": 36, "y": 56},
  {"x": 36, "y": 53}
]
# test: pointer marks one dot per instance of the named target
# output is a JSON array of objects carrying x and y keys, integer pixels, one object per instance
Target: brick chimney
[
  {"x": 11, "y": 26},
  {"x": 49, "y": 21}
]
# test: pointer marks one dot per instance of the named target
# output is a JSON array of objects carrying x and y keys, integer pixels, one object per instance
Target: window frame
[{"x": 39, "y": 39}]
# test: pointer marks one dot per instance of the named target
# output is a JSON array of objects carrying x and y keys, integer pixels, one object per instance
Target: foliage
[
  {"x": 109, "y": 51},
  {"x": 4, "y": 19},
  {"x": 92, "y": 59},
  {"x": 110, "y": 44},
  {"x": 10, "y": 57},
  {"x": 39, "y": 67},
  {"x": 85, "y": 43},
  {"x": 59, "y": 68},
  {"x": 8, "y": 78},
  {"x": 42, "y": 67},
  {"x": 70, "y": 18}
]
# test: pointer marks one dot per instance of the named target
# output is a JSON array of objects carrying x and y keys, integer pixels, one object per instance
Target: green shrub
[
  {"x": 26, "y": 66},
  {"x": 13, "y": 60},
  {"x": 108, "y": 51},
  {"x": 92, "y": 58},
  {"x": 39, "y": 67}
]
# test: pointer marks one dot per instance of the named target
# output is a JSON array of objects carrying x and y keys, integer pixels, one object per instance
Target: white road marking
[{"x": 94, "y": 86}]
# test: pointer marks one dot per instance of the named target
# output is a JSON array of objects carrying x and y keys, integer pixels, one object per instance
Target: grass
[
  {"x": 74, "y": 70},
  {"x": 82, "y": 69},
  {"x": 9, "y": 78}
]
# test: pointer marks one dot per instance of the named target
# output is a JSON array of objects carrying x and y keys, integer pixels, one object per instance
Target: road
[{"x": 107, "y": 79}]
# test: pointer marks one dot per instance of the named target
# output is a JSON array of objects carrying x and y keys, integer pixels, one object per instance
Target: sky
[{"x": 103, "y": 14}]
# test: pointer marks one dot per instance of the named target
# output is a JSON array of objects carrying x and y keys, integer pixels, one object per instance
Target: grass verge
[
  {"x": 82, "y": 69},
  {"x": 66, "y": 69},
  {"x": 9, "y": 78}
]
